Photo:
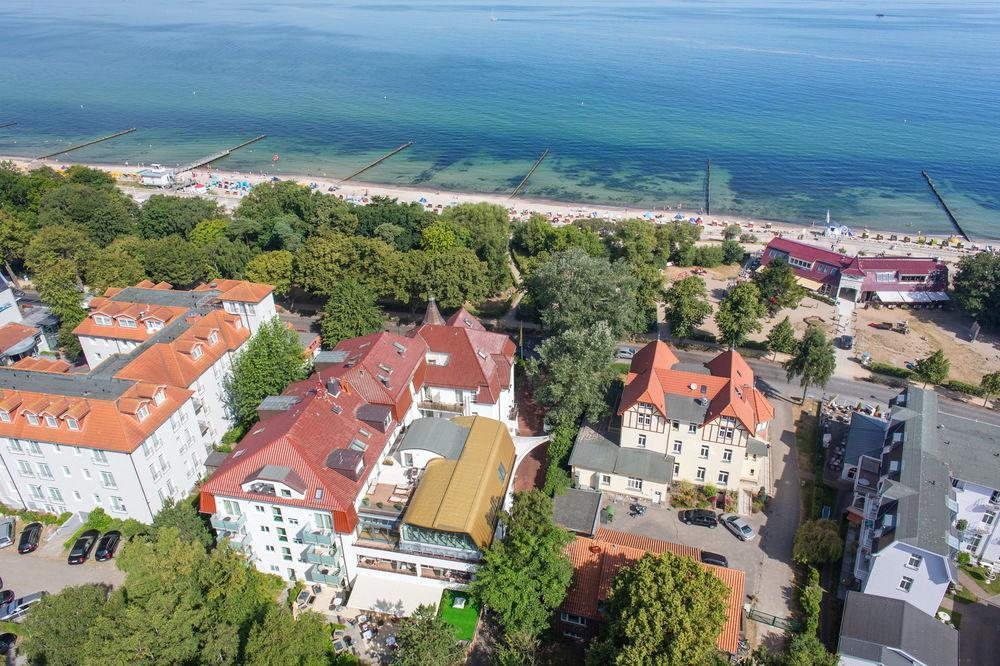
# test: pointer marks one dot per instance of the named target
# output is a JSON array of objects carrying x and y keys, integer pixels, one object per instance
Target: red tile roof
[
  {"x": 238, "y": 290},
  {"x": 382, "y": 367},
  {"x": 596, "y": 561},
  {"x": 729, "y": 388},
  {"x": 140, "y": 313},
  {"x": 478, "y": 359},
  {"x": 13, "y": 333},
  {"x": 39, "y": 364}
]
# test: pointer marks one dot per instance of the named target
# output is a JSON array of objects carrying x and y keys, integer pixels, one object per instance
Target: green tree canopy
[
  {"x": 411, "y": 217},
  {"x": 424, "y": 639},
  {"x": 164, "y": 215},
  {"x": 58, "y": 286},
  {"x": 22, "y": 192},
  {"x": 173, "y": 259},
  {"x": 732, "y": 252},
  {"x": 665, "y": 609},
  {"x": 104, "y": 214},
  {"x": 82, "y": 175},
  {"x": 226, "y": 258},
  {"x": 329, "y": 257},
  {"x": 113, "y": 266},
  {"x": 782, "y": 338},
  {"x": 208, "y": 231},
  {"x": 350, "y": 311},
  {"x": 739, "y": 314},
  {"x": 270, "y": 361},
  {"x": 453, "y": 278},
  {"x": 524, "y": 577},
  {"x": 778, "y": 286},
  {"x": 282, "y": 640},
  {"x": 732, "y": 232},
  {"x": 574, "y": 291},
  {"x": 708, "y": 256},
  {"x": 686, "y": 305},
  {"x": 813, "y": 361},
  {"x": 15, "y": 234},
  {"x": 184, "y": 517},
  {"x": 675, "y": 241},
  {"x": 439, "y": 237},
  {"x": 56, "y": 242},
  {"x": 273, "y": 268},
  {"x": 57, "y": 626},
  {"x": 488, "y": 228},
  {"x": 977, "y": 286},
  {"x": 933, "y": 369},
  {"x": 572, "y": 374},
  {"x": 990, "y": 384},
  {"x": 817, "y": 541}
]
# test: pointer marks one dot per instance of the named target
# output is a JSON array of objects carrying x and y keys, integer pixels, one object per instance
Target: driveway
[{"x": 35, "y": 572}]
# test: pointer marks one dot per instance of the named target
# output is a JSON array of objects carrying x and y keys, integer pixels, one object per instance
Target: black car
[
  {"x": 6, "y": 596},
  {"x": 714, "y": 558},
  {"x": 107, "y": 546},
  {"x": 702, "y": 517},
  {"x": 7, "y": 642},
  {"x": 30, "y": 536},
  {"x": 81, "y": 549}
]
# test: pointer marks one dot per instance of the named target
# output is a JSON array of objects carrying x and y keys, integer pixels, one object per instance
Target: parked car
[
  {"x": 81, "y": 549},
  {"x": 740, "y": 528},
  {"x": 6, "y": 532},
  {"x": 702, "y": 517},
  {"x": 107, "y": 546},
  {"x": 6, "y": 596},
  {"x": 626, "y": 353},
  {"x": 7, "y": 642},
  {"x": 16, "y": 609},
  {"x": 30, "y": 536},
  {"x": 847, "y": 342},
  {"x": 714, "y": 558}
]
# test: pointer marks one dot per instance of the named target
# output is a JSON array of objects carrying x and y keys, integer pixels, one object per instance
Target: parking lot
[{"x": 37, "y": 572}]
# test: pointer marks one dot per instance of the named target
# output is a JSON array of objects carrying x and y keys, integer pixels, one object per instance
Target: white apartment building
[
  {"x": 137, "y": 428},
  {"x": 933, "y": 474},
  {"x": 678, "y": 422}
]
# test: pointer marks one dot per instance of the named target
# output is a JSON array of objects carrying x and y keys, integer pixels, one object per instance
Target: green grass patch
[
  {"x": 979, "y": 575},
  {"x": 621, "y": 369},
  {"x": 956, "y": 617},
  {"x": 964, "y": 596},
  {"x": 463, "y": 620}
]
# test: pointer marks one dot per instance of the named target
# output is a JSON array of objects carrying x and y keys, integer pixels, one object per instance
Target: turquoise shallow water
[{"x": 802, "y": 106}]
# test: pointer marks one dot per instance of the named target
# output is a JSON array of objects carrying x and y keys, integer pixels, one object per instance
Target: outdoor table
[
  {"x": 368, "y": 634},
  {"x": 390, "y": 641}
]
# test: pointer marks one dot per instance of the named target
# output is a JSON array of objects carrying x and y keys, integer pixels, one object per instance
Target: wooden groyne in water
[
  {"x": 217, "y": 156},
  {"x": 528, "y": 175},
  {"x": 944, "y": 205},
  {"x": 708, "y": 188},
  {"x": 377, "y": 162},
  {"x": 10, "y": 124},
  {"x": 88, "y": 143}
]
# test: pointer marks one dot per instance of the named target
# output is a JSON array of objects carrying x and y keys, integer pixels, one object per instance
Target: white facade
[
  {"x": 54, "y": 478},
  {"x": 99, "y": 349},
  {"x": 979, "y": 506},
  {"x": 447, "y": 402},
  {"x": 9, "y": 312},
  {"x": 252, "y": 314},
  {"x": 911, "y": 574}
]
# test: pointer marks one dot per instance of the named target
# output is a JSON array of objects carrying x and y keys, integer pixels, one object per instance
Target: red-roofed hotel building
[{"x": 707, "y": 424}]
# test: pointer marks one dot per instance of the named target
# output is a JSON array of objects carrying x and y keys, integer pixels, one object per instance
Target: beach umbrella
[
  {"x": 647, "y": 215},
  {"x": 423, "y": 200}
]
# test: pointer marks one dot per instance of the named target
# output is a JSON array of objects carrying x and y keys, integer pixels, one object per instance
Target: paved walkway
[{"x": 34, "y": 573}]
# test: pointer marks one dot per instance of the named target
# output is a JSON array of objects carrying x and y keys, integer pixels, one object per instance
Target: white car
[
  {"x": 626, "y": 353},
  {"x": 740, "y": 528}
]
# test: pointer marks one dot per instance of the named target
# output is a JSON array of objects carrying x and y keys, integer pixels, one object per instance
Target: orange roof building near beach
[
  {"x": 707, "y": 424},
  {"x": 136, "y": 429},
  {"x": 596, "y": 561}
]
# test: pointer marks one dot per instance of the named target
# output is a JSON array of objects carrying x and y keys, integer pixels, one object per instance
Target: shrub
[
  {"x": 821, "y": 298},
  {"x": 891, "y": 370},
  {"x": 758, "y": 345},
  {"x": 232, "y": 436},
  {"x": 964, "y": 557},
  {"x": 962, "y": 387},
  {"x": 703, "y": 336},
  {"x": 961, "y": 524},
  {"x": 35, "y": 516}
]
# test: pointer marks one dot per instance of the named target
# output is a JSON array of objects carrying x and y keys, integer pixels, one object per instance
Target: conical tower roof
[{"x": 433, "y": 315}]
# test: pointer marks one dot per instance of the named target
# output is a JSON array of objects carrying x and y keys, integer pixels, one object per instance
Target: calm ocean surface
[{"x": 801, "y": 105}]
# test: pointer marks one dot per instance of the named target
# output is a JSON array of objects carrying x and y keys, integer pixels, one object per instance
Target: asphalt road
[{"x": 35, "y": 573}]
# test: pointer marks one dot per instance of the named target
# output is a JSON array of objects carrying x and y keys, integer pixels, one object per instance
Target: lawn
[
  {"x": 956, "y": 617},
  {"x": 464, "y": 620},
  {"x": 976, "y": 574}
]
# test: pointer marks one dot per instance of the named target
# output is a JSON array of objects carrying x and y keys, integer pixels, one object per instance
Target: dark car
[
  {"x": 6, "y": 596},
  {"x": 714, "y": 558},
  {"x": 702, "y": 517},
  {"x": 7, "y": 642},
  {"x": 107, "y": 546},
  {"x": 81, "y": 549},
  {"x": 847, "y": 342},
  {"x": 30, "y": 536}
]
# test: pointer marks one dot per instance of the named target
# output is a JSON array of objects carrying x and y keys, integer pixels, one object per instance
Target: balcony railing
[
  {"x": 317, "y": 536},
  {"x": 239, "y": 542},
  {"x": 228, "y": 523},
  {"x": 321, "y": 573},
  {"x": 318, "y": 557},
  {"x": 199, "y": 405}
]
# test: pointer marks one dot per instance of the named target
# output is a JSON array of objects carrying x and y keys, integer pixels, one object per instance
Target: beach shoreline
[{"x": 558, "y": 212}]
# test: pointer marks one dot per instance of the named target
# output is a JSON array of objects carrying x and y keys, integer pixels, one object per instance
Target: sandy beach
[{"x": 228, "y": 194}]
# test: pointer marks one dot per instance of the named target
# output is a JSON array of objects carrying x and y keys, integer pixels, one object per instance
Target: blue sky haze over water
[{"x": 802, "y": 106}]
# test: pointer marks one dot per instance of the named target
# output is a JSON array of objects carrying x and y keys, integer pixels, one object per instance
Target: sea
[{"x": 801, "y": 106}]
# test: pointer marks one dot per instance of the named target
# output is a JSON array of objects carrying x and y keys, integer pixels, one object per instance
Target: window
[
  {"x": 153, "y": 472},
  {"x": 36, "y": 492},
  {"x": 153, "y": 325},
  {"x": 723, "y": 478},
  {"x": 117, "y": 504},
  {"x": 642, "y": 442},
  {"x": 727, "y": 455},
  {"x": 633, "y": 483},
  {"x": 286, "y": 553},
  {"x": 571, "y": 634},
  {"x": 407, "y": 460},
  {"x": 86, "y": 473},
  {"x": 958, "y": 484},
  {"x": 285, "y": 492},
  {"x": 171, "y": 488},
  {"x": 704, "y": 451},
  {"x": 677, "y": 469},
  {"x": 4, "y": 416},
  {"x": 906, "y": 583},
  {"x": 973, "y": 544},
  {"x": 72, "y": 423},
  {"x": 914, "y": 561},
  {"x": 692, "y": 428},
  {"x": 266, "y": 529},
  {"x": 159, "y": 396},
  {"x": 605, "y": 479},
  {"x": 885, "y": 276},
  {"x": 276, "y": 514},
  {"x": 231, "y": 508},
  {"x": 142, "y": 412},
  {"x": 51, "y": 421},
  {"x": 24, "y": 468},
  {"x": 213, "y": 337},
  {"x": 126, "y": 322},
  {"x": 196, "y": 352},
  {"x": 56, "y": 495},
  {"x": 259, "y": 508},
  {"x": 102, "y": 320},
  {"x": 678, "y": 447},
  {"x": 282, "y": 535},
  {"x": 77, "y": 496},
  {"x": 44, "y": 471},
  {"x": 700, "y": 474},
  {"x": 799, "y": 263},
  {"x": 676, "y": 425},
  {"x": 989, "y": 517},
  {"x": 164, "y": 465},
  {"x": 34, "y": 449},
  {"x": 32, "y": 418},
  {"x": 995, "y": 497},
  {"x": 502, "y": 473},
  {"x": 66, "y": 472},
  {"x": 97, "y": 498},
  {"x": 294, "y": 521},
  {"x": 99, "y": 457},
  {"x": 15, "y": 446},
  {"x": 269, "y": 549},
  {"x": 108, "y": 480},
  {"x": 573, "y": 619}
]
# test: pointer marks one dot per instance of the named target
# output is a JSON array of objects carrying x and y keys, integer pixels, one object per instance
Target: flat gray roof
[
  {"x": 681, "y": 408},
  {"x": 877, "y": 628},
  {"x": 866, "y": 437},
  {"x": 577, "y": 510},
  {"x": 178, "y": 299},
  {"x": 440, "y": 436}
]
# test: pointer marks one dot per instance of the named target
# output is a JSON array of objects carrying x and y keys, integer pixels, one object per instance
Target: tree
[
  {"x": 58, "y": 286},
  {"x": 990, "y": 384},
  {"x": 574, "y": 291},
  {"x": 59, "y": 242},
  {"x": 113, "y": 266},
  {"x": 557, "y": 478},
  {"x": 439, "y": 237},
  {"x": 271, "y": 360},
  {"x": 173, "y": 259},
  {"x": 933, "y": 369},
  {"x": 226, "y": 258},
  {"x": 164, "y": 215},
  {"x": 15, "y": 234},
  {"x": 814, "y": 360},
  {"x": 424, "y": 639},
  {"x": 524, "y": 577},
  {"x": 664, "y": 609},
  {"x": 350, "y": 311},
  {"x": 82, "y": 175},
  {"x": 732, "y": 252},
  {"x": 273, "y": 268},
  {"x": 329, "y": 257},
  {"x": 488, "y": 229},
  {"x": 708, "y": 256},
  {"x": 104, "y": 214},
  {"x": 976, "y": 286},
  {"x": 811, "y": 600},
  {"x": 782, "y": 338},
  {"x": 732, "y": 232},
  {"x": 184, "y": 517},
  {"x": 55, "y": 628},
  {"x": 778, "y": 286},
  {"x": 572, "y": 374},
  {"x": 739, "y": 314},
  {"x": 282, "y": 640},
  {"x": 817, "y": 541},
  {"x": 411, "y": 217},
  {"x": 686, "y": 305},
  {"x": 208, "y": 231}
]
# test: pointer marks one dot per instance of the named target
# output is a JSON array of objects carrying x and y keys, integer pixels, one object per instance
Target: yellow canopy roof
[{"x": 812, "y": 285}]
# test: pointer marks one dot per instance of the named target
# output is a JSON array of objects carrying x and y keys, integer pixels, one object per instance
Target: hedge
[
  {"x": 35, "y": 516},
  {"x": 821, "y": 298},
  {"x": 891, "y": 370},
  {"x": 962, "y": 387}
]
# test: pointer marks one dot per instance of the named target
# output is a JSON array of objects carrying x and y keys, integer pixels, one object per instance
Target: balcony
[
  {"x": 443, "y": 407},
  {"x": 314, "y": 556},
  {"x": 203, "y": 427},
  {"x": 240, "y": 542},
  {"x": 321, "y": 573},
  {"x": 317, "y": 536},
  {"x": 228, "y": 523},
  {"x": 199, "y": 404}
]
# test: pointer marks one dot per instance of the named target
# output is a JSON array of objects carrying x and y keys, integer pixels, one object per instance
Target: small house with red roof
[
  {"x": 917, "y": 281},
  {"x": 707, "y": 424}
]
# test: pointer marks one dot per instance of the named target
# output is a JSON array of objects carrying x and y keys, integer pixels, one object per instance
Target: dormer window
[
  {"x": 238, "y": 324},
  {"x": 213, "y": 337},
  {"x": 32, "y": 418},
  {"x": 4, "y": 416},
  {"x": 142, "y": 412},
  {"x": 102, "y": 320},
  {"x": 196, "y": 352},
  {"x": 126, "y": 322},
  {"x": 159, "y": 396},
  {"x": 51, "y": 421},
  {"x": 153, "y": 325},
  {"x": 72, "y": 424}
]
